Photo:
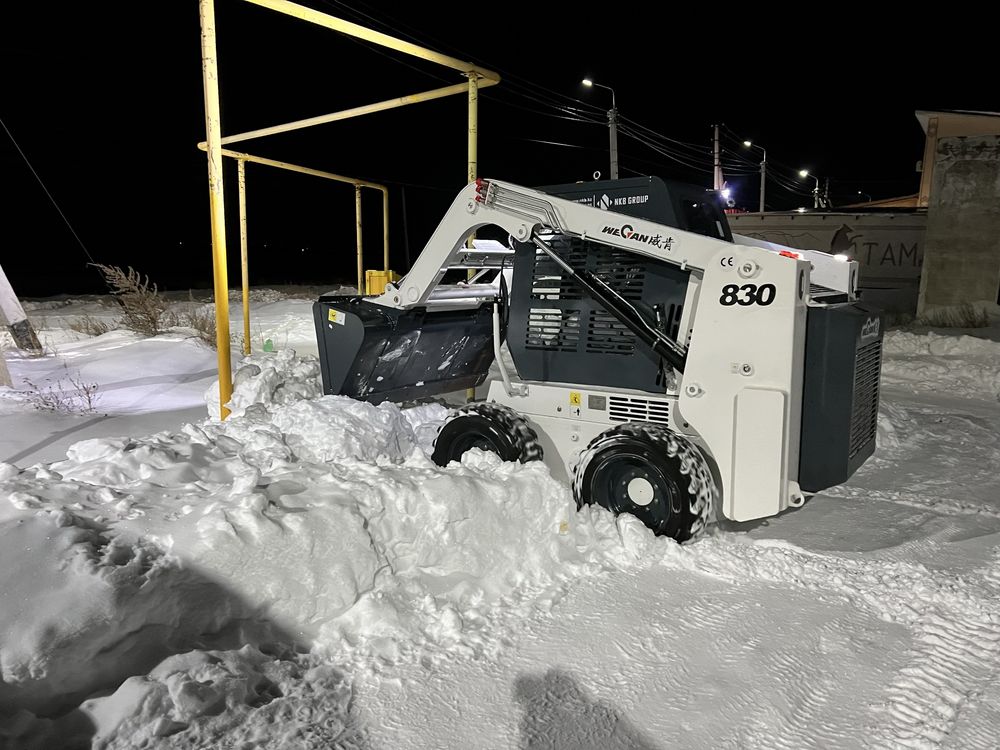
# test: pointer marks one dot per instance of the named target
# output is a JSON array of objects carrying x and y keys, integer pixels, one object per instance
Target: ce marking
[{"x": 727, "y": 262}]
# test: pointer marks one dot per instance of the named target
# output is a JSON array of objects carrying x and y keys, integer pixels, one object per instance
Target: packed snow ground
[{"x": 302, "y": 575}]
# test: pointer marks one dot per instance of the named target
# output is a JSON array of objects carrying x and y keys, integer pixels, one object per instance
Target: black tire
[
  {"x": 646, "y": 470},
  {"x": 489, "y": 427}
]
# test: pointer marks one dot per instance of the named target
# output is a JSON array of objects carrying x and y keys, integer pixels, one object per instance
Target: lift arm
[{"x": 523, "y": 213}]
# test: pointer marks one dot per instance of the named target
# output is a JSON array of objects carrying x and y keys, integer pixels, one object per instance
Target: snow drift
[{"x": 317, "y": 523}]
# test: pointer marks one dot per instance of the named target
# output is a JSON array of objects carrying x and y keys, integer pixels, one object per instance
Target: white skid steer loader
[{"x": 664, "y": 367}]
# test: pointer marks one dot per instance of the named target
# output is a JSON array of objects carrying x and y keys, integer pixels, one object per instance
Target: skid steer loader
[{"x": 663, "y": 366}]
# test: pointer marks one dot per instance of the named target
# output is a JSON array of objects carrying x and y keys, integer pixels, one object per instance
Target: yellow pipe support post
[
  {"x": 470, "y": 393},
  {"x": 385, "y": 230},
  {"x": 213, "y": 138},
  {"x": 361, "y": 257},
  {"x": 367, "y": 109},
  {"x": 369, "y": 35},
  {"x": 242, "y": 174}
]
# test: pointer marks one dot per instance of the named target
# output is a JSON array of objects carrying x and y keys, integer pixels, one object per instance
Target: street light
[
  {"x": 861, "y": 192},
  {"x": 805, "y": 173},
  {"x": 763, "y": 170},
  {"x": 612, "y": 125}
]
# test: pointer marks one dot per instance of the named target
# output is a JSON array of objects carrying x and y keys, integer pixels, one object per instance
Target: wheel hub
[{"x": 640, "y": 491}]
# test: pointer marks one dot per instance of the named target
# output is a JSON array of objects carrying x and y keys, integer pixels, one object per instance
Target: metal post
[
  {"x": 470, "y": 393},
  {"x": 385, "y": 229},
  {"x": 241, "y": 172},
  {"x": 763, "y": 170},
  {"x": 361, "y": 256},
  {"x": 613, "y": 129},
  {"x": 213, "y": 138},
  {"x": 473, "y": 127}
]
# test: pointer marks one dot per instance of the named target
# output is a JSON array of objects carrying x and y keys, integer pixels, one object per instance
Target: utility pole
[
  {"x": 613, "y": 130},
  {"x": 763, "y": 170},
  {"x": 612, "y": 125},
  {"x": 826, "y": 194},
  {"x": 717, "y": 182}
]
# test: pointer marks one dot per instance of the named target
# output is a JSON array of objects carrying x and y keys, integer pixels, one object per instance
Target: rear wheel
[
  {"x": 656, "y": 475},
  {"x": 489, "y": 427}
]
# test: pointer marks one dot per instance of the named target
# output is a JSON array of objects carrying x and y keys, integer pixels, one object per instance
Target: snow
[
  {"x": 963, "y": 365},
  {"x": 302, "y": 575}
]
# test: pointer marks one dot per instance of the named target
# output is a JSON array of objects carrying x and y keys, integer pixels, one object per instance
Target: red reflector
[{"x": 788, "y": 254}]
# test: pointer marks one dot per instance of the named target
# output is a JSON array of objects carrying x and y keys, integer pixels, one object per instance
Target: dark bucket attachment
[{"x": 375, "y": 353}]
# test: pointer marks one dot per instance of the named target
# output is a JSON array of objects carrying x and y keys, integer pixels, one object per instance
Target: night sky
[{"x": 108, "y": 107}]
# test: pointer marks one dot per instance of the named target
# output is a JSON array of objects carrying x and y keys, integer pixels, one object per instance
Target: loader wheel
[
  {"x": 646, "y": 470},
  {"x": 489, "y": 427}
]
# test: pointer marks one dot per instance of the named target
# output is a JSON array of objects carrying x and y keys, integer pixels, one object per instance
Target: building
[{"x": 960, "y": 188}]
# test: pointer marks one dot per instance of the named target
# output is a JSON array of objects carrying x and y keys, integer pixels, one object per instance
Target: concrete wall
[
  {"x": 888, "y": 246},
  {"x": 962, "y": 247}
]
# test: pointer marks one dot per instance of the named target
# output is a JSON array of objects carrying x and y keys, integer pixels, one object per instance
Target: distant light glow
[
  {"x": 587, "y": 82},
  {"x": 800, "y": 210},
  {"x": 841, "y": 257},
  {"x": 747, "y": 144},
  {"x": 803, "y": 173},
  {"x": 726, "y": 192}
]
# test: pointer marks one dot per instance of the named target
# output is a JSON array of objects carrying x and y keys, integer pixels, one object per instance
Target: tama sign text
[{"x": 629, "y": 233}]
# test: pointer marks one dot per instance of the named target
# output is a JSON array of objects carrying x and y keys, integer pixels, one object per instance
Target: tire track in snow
[
  {"x": 937, "y": 503},
  {"x": 955, "y": 623}
]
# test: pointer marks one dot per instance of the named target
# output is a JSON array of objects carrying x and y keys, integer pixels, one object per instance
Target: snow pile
[
  {"x": 961, "y": 365},
  {"x": 269, "y": 378},
  {"x": 319, "y": 523}
]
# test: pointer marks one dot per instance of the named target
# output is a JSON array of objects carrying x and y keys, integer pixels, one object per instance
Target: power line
[
  {"x": 37, "y": 177},
  {"x": 511, "y": 80},
  {"x": 672, "y": 156}
]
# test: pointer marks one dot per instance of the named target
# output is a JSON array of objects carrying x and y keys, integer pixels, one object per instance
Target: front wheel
[
  {"x": 656, "y": 475},
  {"x": 489, "y": 427}
]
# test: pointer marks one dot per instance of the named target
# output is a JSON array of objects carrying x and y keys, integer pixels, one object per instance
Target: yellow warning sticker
[
  {"x": 575, "y": 398},
  {"x": 336, "y": 317}
]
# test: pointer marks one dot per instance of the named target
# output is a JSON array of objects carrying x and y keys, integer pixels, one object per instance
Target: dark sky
[{"x": 106, "y": 101}]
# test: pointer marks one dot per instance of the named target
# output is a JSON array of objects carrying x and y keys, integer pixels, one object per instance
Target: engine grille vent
[
  {"x": 553, "y": 329},
  {"x": 864, "y": 413},
  {"x": 607, "y": 335},
  {"x": 636, "y": 409}
]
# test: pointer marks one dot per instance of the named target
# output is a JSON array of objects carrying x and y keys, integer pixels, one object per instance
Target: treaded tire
[
  {"x": 651, "y": 472},
  {"x": 490, "y": 427}
]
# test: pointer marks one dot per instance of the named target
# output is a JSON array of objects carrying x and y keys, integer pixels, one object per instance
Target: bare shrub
[
  {"x": 90, "y": 326},
  {"x": 144, "y": 310},
  {"x": 201, "y": 320},
  {"x": 964, "y": 315},
  {"x": 68, "y": 395}
]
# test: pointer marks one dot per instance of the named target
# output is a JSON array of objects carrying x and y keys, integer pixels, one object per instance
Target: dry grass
[
  {"x": 144, "y": 310},
  {"x": 959, "y": 316},
  {"x": 201, "y": 320},
  {"x": 90, "y": 326},
  {"x": 68, "y": 395}
]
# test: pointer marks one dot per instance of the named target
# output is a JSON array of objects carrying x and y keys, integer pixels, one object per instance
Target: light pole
[
  {"x": 612, "y": 125},
  {"x": 763, "y": 170},
  {"x": 805, "y": 173}
]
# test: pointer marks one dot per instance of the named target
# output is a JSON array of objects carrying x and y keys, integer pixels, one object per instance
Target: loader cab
[{"x": 675, "y": 204}]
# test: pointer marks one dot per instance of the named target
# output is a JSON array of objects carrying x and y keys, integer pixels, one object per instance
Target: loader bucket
[{"x": 375, "y": 353}]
